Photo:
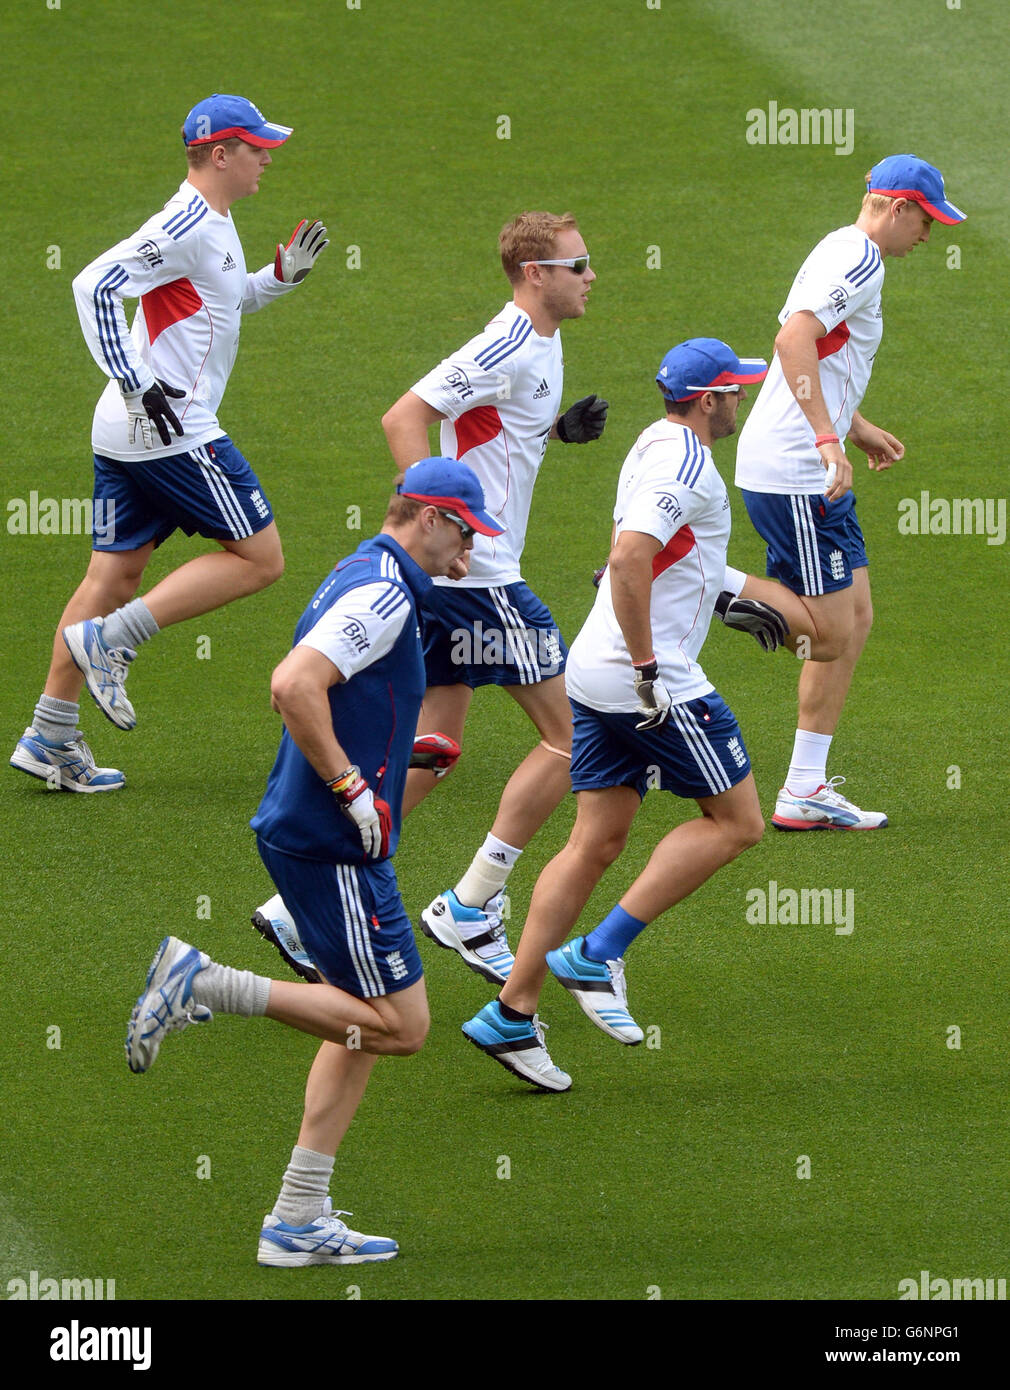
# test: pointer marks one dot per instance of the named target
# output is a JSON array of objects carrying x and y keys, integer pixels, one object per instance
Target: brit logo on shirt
[
  {"x": 357, "y": 635},
  {"x": 150, "y": 252},
  {"x": 666, "y": 502},
  {"x": 458, "y": 381},
  {"x": 837, "y": 562},
  {"x": 839, "y": 298}
]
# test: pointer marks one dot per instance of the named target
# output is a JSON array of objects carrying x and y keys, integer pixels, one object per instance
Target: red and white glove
[
  {"x": 293, "y": 262},
  {"x": 436, "y": 752},
  {"x": 369, "y": 813}
]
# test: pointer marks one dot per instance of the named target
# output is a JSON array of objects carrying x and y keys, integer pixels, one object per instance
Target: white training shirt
[
  {"x": 669, "y": 488},
  {"x": 361, "y": 627},
  {"x": 186, "y": 266},
  {"x": 500, "y": 393},
  {"x": 839, "y": 282}
]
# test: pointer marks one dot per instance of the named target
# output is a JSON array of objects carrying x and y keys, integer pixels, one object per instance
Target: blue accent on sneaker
[
  {"x": 103, "y": 668},
  {"x": 68, "y": 767},
  {"x": 570, "y": 962},
  {"x": 613, "y": 936},
  {"x": 518, "y": 1046}
]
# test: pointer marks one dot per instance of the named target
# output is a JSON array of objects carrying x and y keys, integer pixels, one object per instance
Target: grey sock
[
  {"x": 129, "y": 626},
  {"x": 305, "y": 1187},
  {"x": 228, "y": 991},
  {"x": 56, "y": 720}
]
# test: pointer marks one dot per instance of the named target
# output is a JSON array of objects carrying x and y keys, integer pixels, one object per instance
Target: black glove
[
  {"x": 583, "y": 421},
  {"x": 765, "y": 623},
  {"x": 151, "y": 408}
]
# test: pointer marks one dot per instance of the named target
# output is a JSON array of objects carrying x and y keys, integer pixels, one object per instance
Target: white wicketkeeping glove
[{"x": 293, "y": 262}]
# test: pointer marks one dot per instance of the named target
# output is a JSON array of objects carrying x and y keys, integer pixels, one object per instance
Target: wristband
[
  {"x": 346, "y": 780},
  {"x": 825, "y": 439}
]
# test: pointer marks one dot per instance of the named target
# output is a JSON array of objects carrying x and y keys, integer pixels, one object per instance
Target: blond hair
[{"x": 531, "y": 237}]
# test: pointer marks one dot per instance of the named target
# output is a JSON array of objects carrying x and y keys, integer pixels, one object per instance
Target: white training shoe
[
  {"x": 476, "y": 933},
  {"x": 825, "y": 809},
  {"x": 68, "y": 767},
  {"x": 275, "y": 924},
  {"x": 325, "y": 1241},
  {"x": 103, "y": 668},
  {"x": 167, "y": 1003}
]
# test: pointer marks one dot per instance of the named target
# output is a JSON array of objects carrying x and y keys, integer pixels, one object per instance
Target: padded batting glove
[
  {"x": 293, "y": 262},
  {"x": 583, "y": 421},
  {"x": 653, "y": 697},
  {"x": 766, "y": 624},
  {"x": 369, "y": 813},
  {"x": 149, "y": 411},
  {"x": 436, "y": 752}
]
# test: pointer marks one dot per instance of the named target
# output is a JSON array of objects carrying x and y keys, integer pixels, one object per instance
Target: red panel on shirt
[
  {"x": 169, "y": 304},
  {"x": 675, "y": 549},
  {"x": 475, "y": 427},
  {"x": 831, "y": 342}
]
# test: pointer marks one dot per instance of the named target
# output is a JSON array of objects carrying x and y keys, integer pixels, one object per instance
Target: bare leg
[
  {"x": 112, "y": 579},
  {"x": 824, "y": 687},
  {"x": 692, "y": 852},
  {"x": 333, "y": 1093},
  {"x": 599, "y": 834},
  {"x": 820, "y": 627},
  {"x": 543, "y": 778},
  {"x": 392, "y": 1023},
  {"x": 212, "y": 580}
]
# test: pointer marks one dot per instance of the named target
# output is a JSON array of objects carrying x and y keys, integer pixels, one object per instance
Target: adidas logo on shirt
[
  {"x": 542, "y": 390},
  {"x": 229, "y": 262}
]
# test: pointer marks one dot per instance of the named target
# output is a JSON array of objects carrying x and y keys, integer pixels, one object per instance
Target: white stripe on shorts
[
  {"x": 223, "y": 493},
  {"x": 704, "y": 755},
  {"x": 358, "y": 941},
  {"x": 806, "y": 545},
  {"x": 515, "y": 634}
]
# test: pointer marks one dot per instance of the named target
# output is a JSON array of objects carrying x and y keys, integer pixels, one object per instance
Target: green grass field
[{"x": 670, "y": 1167}]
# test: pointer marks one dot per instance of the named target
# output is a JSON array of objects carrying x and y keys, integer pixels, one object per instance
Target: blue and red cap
[
  {"x": 706, "y": 364},
  {"x": 227, "y": 118},
  {"x": 453, "y": 486},
  {"x": 905, "y": 176}
]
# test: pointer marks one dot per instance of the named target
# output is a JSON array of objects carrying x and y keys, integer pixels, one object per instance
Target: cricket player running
[
  {"x": 349, "y": 693},
  {"x": 642, "y": 702},
  {"x": 162, "y": 460},
  {"x": 796, "y": 477},
  {"x": 496, "y": 401}
]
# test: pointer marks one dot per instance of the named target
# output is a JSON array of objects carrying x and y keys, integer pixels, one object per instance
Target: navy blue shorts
[
  {"x": 813, "y": 544},
  {"x": 498, "y": 636},
  {"x": 210, "y": 491},
  {"x": 698, "y": 751},
  {"x": 351, "y": 920}
]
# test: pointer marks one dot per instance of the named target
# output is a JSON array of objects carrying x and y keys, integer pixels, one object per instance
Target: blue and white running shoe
[
  {"x": 478, "y": 934},
  {"x": 325, "y": 1241},
  {"x": 68, "y": 767},
  {"x": 599, "y": 987},
  {"x": 826, "y": 809},
  {"x": 519, "y": 1047},
  {"x": 103, "y": 668},
  {"x": 275, "y": 924},
  {"x": 167, "y": 1003}
]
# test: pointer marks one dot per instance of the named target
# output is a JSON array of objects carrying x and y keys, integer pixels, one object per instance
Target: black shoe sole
[
  {"x": 262, "y": 925},
  {"x": 483, "y": 971}
]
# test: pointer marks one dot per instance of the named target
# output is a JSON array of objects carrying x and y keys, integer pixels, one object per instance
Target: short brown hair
[
  {"x": 199, "y": 155},
  {"x": 531, "y": 237},
  {"x": 680, "y": 408},
  {"x": 402, "y": 510}
]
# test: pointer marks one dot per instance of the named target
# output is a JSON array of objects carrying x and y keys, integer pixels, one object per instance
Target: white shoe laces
[
  {"x": 834, "y": 797},
  {"x": 618, "y": 982},
  {"x": 546, "y": 1065}
]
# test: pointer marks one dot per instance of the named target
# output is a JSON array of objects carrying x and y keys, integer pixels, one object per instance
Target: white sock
[
  {"x": 305, "y": 1187},
  {"x": 809, "y": 767},
  {"x": 488, "y": 873},
  {"x": 229, "y": 991}
]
